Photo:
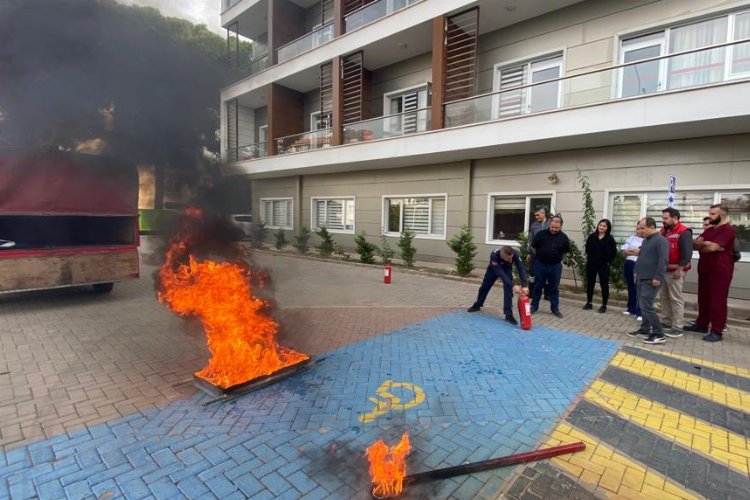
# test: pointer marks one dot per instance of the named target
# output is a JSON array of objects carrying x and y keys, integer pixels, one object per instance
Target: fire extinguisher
[
  {"x": 524, "y": 311},
  {"x": 387, "y": 274}
]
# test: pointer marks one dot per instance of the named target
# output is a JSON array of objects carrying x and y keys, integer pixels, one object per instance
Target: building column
[{"x": 437, "y": 120}]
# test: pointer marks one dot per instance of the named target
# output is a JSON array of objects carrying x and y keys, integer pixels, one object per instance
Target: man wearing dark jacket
[
  {"x": 501, "y": 266},
  {"x": 550, "y": 246},
  {"x": 650, "y": 273}
]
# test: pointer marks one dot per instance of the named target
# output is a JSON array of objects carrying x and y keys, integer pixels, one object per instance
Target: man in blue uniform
[{"x": 501, "y": 266}]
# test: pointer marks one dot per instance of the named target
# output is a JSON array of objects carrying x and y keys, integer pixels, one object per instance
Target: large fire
[
  {"x": 240, "y": 337},
  {"x": 388, "y": 467}
]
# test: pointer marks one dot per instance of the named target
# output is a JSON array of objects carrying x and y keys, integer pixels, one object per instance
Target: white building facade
[{"x": 383, "y": 115}]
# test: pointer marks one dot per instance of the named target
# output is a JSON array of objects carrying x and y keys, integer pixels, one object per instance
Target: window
[
  {"x": 397, "y": 106},
  {"x": 423, "y": 214},
  {"x": 320, "y": 121},
  {"x": 336, "y": 215},
  {"x": 697, "y": 68},
  {"x": 262, "y": 141},
  {"x": 277, "y": 212},
  {"x": 539, "y": 97},
  {"x": 512, "y": 214},
  {"x": 625, "y": 209}
]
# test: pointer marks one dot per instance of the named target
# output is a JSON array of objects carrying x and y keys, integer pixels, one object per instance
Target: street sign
[{"x": 672, "y": 189}]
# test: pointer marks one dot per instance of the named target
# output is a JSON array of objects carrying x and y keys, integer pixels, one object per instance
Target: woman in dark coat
[{"x": 601, "y": 250}]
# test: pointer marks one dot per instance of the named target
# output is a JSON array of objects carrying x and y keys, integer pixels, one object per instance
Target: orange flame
[
  {"x": 241, "y": 339},
  {"x": 388, "y": 467}
]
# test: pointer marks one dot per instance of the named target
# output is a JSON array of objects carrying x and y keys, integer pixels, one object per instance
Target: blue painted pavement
[{"x": 466, "y": 387}]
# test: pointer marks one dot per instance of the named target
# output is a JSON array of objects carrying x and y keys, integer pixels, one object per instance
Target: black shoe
[
  {"x": 655, "y": 339},
  {"x": 694, "y": 328},
  {"x": 603, "y": 309},
  {"x": 510, "y": 319},
  {"x": 636, "y": 333},
  {"x": 558, "y": 314},
  {"x": 533, "y": 309},
  {"x": 587, "y": 306},
  {"x": 713, "y": 337},
  {"x": 473, "y": 309}
]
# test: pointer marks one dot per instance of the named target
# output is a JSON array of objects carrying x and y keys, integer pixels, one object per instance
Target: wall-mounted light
[{"x": 552, "y": 178}]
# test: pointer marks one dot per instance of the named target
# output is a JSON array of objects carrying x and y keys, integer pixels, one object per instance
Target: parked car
[{"x": 243, "y": 222}]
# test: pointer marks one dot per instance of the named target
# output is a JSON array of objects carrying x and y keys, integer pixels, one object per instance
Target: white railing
[
  {"x": 384, "y": 127},
  {"x": 373, "y": 11}
]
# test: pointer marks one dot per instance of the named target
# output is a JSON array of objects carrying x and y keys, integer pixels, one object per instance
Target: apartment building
[{"x": 383, "y": 115}]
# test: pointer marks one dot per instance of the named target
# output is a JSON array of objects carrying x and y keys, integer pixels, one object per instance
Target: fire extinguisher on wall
[
  {"x": 387, "y": 270},
  {"x": 524, "y": 310}
]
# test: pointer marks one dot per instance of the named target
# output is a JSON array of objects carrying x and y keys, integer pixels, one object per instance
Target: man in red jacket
[
  {"x": 680, "y": 238},
  {"x": 715, "y": 268}
]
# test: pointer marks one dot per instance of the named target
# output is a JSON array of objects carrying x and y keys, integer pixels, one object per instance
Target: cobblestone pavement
[{"x": 96, "y": 398}]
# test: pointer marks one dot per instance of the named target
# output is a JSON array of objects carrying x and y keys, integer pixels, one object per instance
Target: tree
[
  {"x": 385, "y": 250},
  {"x": 463, "y": 245},
  {"x": 405, "y": 244},
  {"x": 302, "y": 240},
  {"x": 365, "y": 249},
  {"x": 143, "y": 86},
  {"x": 280, "y": 237},
  {"x": 326, "y": 247}
]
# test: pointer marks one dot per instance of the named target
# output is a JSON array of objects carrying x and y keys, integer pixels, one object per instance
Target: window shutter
[
  {"x": 626, "y": 211},
  {"x": 349, "y": 214},
  {"x": 511, "y": 101},
  {"x": 335, "y": 215},
  {"x": 411, "y": 103},
  {"x": 320, "y": 213},
  {"x": 437, "y": 224},
  {"x": 416, "y": 215}
]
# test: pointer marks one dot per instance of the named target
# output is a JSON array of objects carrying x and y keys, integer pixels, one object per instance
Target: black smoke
[{"x": 75, "y": 70}]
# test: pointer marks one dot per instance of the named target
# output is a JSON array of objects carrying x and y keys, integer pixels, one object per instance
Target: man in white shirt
[{"x": 630, "y": 249}]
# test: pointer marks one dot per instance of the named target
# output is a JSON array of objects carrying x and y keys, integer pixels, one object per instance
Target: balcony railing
[
  {"x": 692, "y": 68},
  {"x": 373, "y": 11},
  {"x": 249, "y": 67},
  {"x": 248, "y": 152},
  {"x": 316, "y": 38},
  {"x": 384, "y": 127},
  {"x": 304, "y": 142},
  {"x": 230, "y": 3}
]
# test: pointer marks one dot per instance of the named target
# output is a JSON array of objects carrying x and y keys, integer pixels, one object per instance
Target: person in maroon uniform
[{"x": 715, "y": 268}]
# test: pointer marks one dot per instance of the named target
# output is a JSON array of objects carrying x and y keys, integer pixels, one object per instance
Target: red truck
[{"x": 66, "y": 219}]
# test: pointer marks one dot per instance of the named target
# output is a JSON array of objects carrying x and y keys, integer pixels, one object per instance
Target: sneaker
[
  {"x": 655, "y": 339},
  {"x": 724, "y": 330},
  {"x": 626, "y": 313},
  {"x": 636, "y": 333},
  {"x": 587, "y": 306},
  {"x": 639, "y": 318},
  {"x": 533, "y": 309},
  {"x": 603, "y": 309},
  {"x": 510, "y": 319},
  {"x": 7, "y": 244},
  {"x": 558, "y": 314},
  {"x": 695, "y": 328},
  {"x": 672, "y": 333},
  {"x": 473, "y": 309},
  {"x": 712, "y": 337}
]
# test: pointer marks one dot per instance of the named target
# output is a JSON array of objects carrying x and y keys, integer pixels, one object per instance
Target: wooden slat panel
[{"x": 461, "y": 54}]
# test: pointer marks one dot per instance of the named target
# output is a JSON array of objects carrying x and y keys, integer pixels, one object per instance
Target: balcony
[
  {"x": 314, "y": 39},
  {"x": 385, "y": 127},
  {"x": 374, "y": 11},
  {"x": 693, "y": 68},
  {"x": 304, "y": 142},
  {"x": 248, "y": 152}
]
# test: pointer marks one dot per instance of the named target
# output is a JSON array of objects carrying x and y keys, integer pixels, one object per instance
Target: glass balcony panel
[
  {"x": 374, "y": 11},
  {"x": 384, "y": 127},
  {"x": 688, "y": 69},
  {"x": 230, "y": 3},
  {"x": 248, "y": 152},
  {"x": 316, "y": 38},
  {"x": 304, "y": 142}
]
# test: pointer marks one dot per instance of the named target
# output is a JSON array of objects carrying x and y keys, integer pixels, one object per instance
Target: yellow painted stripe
[
  {"x": 742, "y": 372},
  {"x": 725, "y": 447},
  {"x": 699, "y": 386},
  {"x": 609, "y": 472}
]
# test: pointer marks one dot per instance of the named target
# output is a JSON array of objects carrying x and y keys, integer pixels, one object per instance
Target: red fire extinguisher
[
  {"x": 524, "y": 311},
  {"x": 387, "y": 274}
]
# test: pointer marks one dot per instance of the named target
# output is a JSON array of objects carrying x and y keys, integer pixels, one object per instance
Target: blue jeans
[
  {"x": 546, "y": 276},
  {"x": 632, "y": 289}
]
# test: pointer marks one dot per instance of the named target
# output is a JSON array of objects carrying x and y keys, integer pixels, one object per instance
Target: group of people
[{"x": 656, "y": 261}]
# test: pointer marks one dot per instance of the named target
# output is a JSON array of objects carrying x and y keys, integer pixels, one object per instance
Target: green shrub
[
  {"x": 365, "y": 249},
  {"x": 465, "y": 248},
  {"x": 385, "y": 251},
  {"x": 325, "y": 249},
  {"x": 302, "y": 240},
  {"x": 258, "y": 234},
  {"x": 280, "y": 237},
  {"x": 405, "y": 244}
]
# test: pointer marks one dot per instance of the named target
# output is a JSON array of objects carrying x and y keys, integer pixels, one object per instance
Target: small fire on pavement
[
  {"x": 388, "y": 467},
  {"x": 240, "y": 335}
]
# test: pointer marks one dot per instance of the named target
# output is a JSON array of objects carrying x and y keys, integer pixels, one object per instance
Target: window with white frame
[
  {"x": 277, "y": 212},
  {"x": 626, "y": 208},
  {"x": 334, "y": 214},
  {"x": 539, "y": 97},
  {"x": 512, "y": 214},
  {"x": 697, "y": 68},
  {"x": 423, "y": 214},
  {"x": 402, "y": 108}
]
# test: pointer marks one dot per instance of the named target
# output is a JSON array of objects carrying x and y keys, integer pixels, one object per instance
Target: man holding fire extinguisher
[{"x": 501, "y": 266}]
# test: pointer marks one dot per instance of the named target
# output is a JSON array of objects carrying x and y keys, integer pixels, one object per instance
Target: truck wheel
[{"x": 103, "y": 287}]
